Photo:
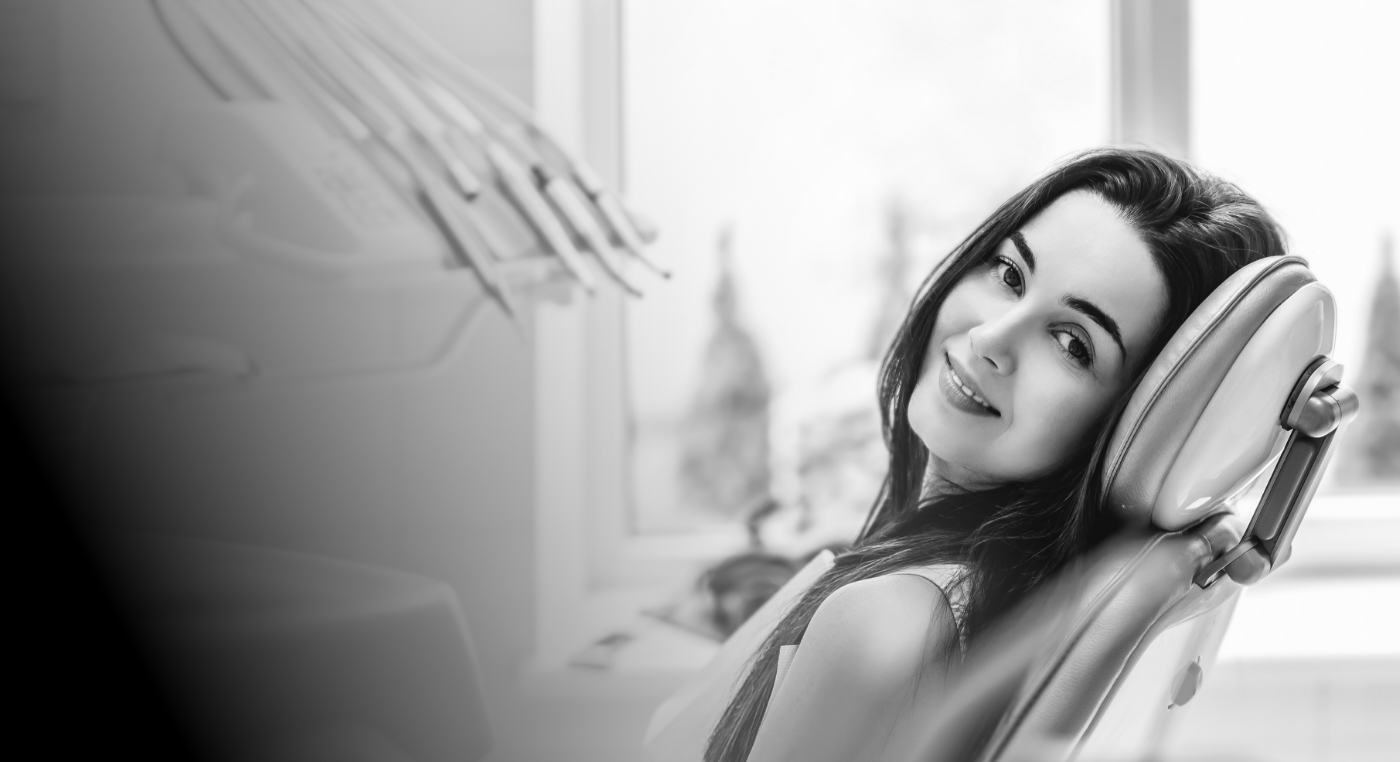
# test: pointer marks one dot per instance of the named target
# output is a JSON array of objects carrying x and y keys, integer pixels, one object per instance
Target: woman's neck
[{"x": 942, "y": 478}]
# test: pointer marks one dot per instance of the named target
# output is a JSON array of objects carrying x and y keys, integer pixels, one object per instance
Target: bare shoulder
[
  {"x": 862, "y": 661},
  {"x": 883, "y": 628}
]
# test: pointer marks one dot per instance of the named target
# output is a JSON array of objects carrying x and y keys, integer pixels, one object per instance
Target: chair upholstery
[
  {"x": 1095, "y": 664},
  {"x": 1213, "y": 365}
]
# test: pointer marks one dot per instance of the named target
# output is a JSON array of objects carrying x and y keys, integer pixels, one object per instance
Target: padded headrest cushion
[{"x": 1204, "y": 420}]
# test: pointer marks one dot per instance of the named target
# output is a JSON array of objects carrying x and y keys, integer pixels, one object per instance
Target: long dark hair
[{"x": 1199, "y": 229}]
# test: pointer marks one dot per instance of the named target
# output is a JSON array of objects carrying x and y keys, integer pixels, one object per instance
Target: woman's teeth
[{"x": 967, "y": 389}]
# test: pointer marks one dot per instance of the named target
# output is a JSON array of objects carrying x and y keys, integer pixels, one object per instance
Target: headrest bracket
[
  {"x": 1317, "y": 411},
  {"x": 1321, "y": 372}
]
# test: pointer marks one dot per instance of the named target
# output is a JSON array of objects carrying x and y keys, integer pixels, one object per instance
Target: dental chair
[{"x": 1094, "y": 665}]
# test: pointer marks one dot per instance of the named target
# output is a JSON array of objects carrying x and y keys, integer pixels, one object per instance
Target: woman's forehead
[{"x": 1083, "y": 248}]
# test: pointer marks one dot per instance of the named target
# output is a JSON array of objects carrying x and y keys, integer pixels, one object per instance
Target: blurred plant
[
  {"x": 725, "y": 450},
  {"x": 893, "y": 274},
  {"x": 829, "y": 459},
  {"x": 741, "y": 584},
  {"x": 843, "y": 457},
  {"x": 1371, "y": 446},
  {"x": 753, "y": 523},
  {"x": 835, "y": 458}
]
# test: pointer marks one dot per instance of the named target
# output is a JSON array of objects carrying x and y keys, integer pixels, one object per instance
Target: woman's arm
[{"x": 864, "y": 656}]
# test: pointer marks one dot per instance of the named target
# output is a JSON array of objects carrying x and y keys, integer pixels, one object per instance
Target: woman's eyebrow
[
  {"x": 1091, "y": 311},
  {"x": 1021, "y": 246}
]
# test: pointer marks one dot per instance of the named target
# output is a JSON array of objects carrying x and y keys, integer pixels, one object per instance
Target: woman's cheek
[
  {"x": 968, "y": 304},
  {"x": 1053, "y": 417},
  {"x": 1067, "y": 422}
]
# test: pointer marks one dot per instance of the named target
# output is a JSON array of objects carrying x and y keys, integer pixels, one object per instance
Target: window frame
[{"x": 589, "y": 575}]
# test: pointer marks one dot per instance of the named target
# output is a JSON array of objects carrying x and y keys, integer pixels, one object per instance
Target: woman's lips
[{"x": 960, "y": 394}]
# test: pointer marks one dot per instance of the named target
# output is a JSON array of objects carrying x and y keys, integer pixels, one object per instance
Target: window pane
[
  {"x": 836, "y": 151},
  {"x": 1298, "y": 107}
]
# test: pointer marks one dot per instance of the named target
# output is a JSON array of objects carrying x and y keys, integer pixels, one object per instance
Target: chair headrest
[{"x": 1205, "y": 419}]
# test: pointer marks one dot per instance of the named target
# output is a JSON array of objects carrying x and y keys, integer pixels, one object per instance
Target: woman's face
[{"x": 1031, "y": 350}]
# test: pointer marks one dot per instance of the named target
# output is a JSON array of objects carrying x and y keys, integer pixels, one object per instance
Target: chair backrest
[{"x": 1094, "y": 665}]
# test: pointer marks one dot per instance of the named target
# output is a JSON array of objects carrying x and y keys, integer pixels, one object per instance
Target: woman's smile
[{"x": 961, "y": 392}]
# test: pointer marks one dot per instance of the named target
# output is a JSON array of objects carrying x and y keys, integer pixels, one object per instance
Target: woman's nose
[{"x": 994, "y": 340}]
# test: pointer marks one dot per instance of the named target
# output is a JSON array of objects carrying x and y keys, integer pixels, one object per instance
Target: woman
[{"x": 997, "y": 397}]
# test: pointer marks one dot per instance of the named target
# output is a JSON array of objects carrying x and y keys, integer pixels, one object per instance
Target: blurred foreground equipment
[
  {"x": 286, "y": 656},
  {"x": 462, "y": 150}
]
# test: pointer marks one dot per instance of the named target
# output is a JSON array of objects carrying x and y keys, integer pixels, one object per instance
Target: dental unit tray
[{"x": 458, "y": 149}]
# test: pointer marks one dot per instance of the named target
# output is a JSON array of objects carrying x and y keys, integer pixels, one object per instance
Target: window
[{"x": 1313, "y": 137}]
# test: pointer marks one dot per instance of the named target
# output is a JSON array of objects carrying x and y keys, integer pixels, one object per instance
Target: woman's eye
[
  {"x": 1077, "y": 349},
  {"x": 1008, "y": 273}
]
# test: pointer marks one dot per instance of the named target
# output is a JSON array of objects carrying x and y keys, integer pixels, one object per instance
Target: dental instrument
[
  {"x": 366, "y": 121},
  {"x": 514, "y": 179},
  {"x": 580, "y": 179},
  {"x": 464, "y": 152},
  {"x": 562, "y": 196}
]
